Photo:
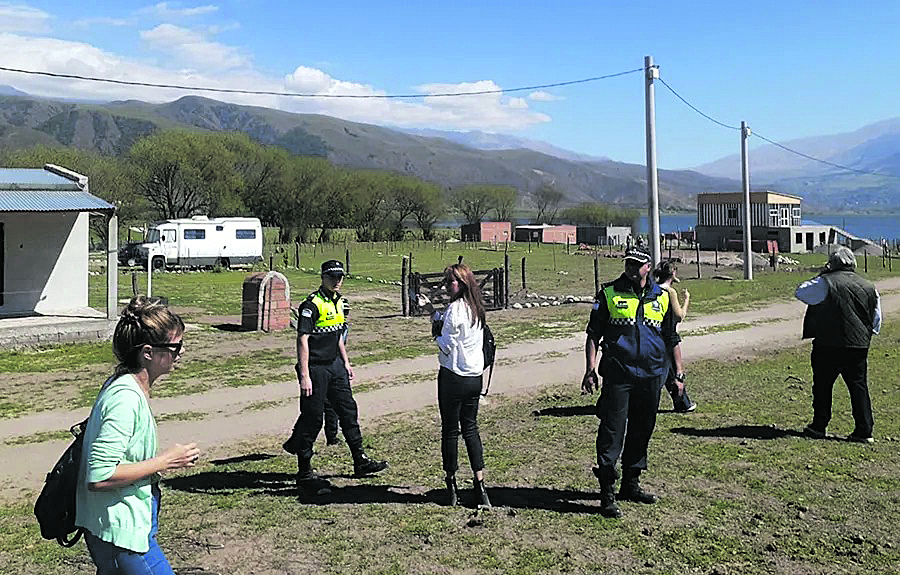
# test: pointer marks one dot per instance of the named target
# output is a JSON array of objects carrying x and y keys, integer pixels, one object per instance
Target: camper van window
[
  {"x": 194, "y": 234},
  {"x": 220, "y": 228},
  {"x": 153, "y": 235},
  {"x": 245, "y": 234}
]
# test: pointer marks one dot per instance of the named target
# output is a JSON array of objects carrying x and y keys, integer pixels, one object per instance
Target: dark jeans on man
[
  {"x": 329, "y": 382},
  {"x": 458, "y": 403},
  {"x": 627, "y": 411},
  {"x": 851, "y": 363}
]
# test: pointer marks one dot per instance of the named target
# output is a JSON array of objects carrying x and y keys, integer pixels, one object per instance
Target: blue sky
[{"x": 790, "y": 69}]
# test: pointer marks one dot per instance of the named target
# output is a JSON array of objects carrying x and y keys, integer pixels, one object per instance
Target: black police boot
[
  {"x": 631, "y": 488},
  {"x": 481, "y": 496},
  {"x": 362, "y": 465},
  {"x": 607, "y": 480},
  {"x": 308, "y": 483},
  {"x": 452, "y": 497}
]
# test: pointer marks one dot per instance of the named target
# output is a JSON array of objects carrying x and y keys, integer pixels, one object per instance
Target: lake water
[{"x": 871, "y": 227}]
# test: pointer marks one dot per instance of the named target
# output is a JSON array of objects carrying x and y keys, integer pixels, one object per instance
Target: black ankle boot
[
  {"x": 481, "y": 496},
  {"x": 452, "y": 497},
  {"x": 631, "y": 489},
  {"x": 607, "y": 480},
  {"x": 362, "y": 465}
]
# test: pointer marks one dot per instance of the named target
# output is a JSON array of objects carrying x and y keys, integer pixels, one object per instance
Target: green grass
[{"x": 742, "y": 492}]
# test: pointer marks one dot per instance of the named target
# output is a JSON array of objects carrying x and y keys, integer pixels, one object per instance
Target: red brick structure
[
  {"x": 498, "y": 232},
  {"x": 266, "y": 302}
]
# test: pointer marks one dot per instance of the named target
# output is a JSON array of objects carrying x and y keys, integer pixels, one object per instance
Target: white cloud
[
  {"x": 23, "y": 19},
  {"x": 191, "y": 48},
  {"x": 542, "y": 96},
  {"x": 101, "y": 21},
  {"x": 208, "y": 64},
  {"x": 165, "y": 11}
]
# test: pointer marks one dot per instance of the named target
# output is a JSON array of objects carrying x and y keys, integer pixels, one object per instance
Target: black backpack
[
  {"x": 489, "y": 348},
  {"x": 55, "y": 506}
]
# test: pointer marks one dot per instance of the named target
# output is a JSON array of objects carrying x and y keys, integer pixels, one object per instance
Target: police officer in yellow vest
[
  {"x": 633, "y": 326},
  {"x": 325, "y": 373}
]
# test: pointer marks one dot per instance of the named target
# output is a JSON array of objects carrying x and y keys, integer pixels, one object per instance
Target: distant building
[
  {"x": 602, "y": 235},
  {"x": 486, "y": 232},
  {"x": 546, "y": 234},
  {"x": 775, "y": 220}
]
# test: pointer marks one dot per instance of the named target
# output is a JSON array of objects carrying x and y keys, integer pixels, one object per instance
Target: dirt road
[{"x": 522, "y": 368}]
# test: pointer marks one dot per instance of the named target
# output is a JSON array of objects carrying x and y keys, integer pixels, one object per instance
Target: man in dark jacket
[
  {"x": 632, "y": 323},
  {"x": 844, "y": 311}
]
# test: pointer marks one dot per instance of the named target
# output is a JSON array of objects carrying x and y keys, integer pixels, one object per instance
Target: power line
[
  {"x": 783, "y": 147},
  {"x": 826, "y": 162},
  {"x": 301, "y": 95}
]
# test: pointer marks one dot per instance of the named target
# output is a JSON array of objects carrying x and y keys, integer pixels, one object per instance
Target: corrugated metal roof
[
  {"x": 39, "y": 190},
  {"x": 34, "y": 179},
  {"x": 50, "y": 201}
]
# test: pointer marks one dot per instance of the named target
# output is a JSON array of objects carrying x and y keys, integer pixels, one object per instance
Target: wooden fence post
[
  {"x": 404, "y": 289},
  {"x": 523, "y": 274},
  {"x": 698, "y": 259},
  {"x": 596, "y": 275},
  {"x": 347, "y": 261},
  {"x": 505, "y": 281}
]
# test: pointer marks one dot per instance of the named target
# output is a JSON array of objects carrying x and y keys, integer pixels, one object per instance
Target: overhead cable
[
  {"x": 783, "y": 147},
  {"x": 301, "y": 95}
]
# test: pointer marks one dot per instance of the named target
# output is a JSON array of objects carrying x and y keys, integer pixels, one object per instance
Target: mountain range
[{"x": 454, "y": 159}]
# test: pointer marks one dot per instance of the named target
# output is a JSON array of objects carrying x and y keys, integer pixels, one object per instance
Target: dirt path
[{"x": 233, "y": 415}]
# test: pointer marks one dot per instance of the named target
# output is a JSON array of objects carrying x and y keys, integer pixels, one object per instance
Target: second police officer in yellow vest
[
  {"x": 324, "y": 371},
  {"x": 633, "y": 326}
]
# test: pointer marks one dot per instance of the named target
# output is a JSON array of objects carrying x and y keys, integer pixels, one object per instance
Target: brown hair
[
  {"x": 469, "y": 290},
  {"x": 664, "y": 270},
  {"x": 145, "y": 320}
]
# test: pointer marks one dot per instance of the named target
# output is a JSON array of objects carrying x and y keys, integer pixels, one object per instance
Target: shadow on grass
[
  {"x": 232, "y": 327},
  {"x": 743, "y": 431},
  {"x": 566, "y": 411},
  {"x": 282, "y": 484}
]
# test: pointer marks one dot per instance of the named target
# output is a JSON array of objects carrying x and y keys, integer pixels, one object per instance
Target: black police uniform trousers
[
  {"x": 627, "y": 411},
  {"x": 329, "y": 382},
  {"x": 851, "y": 363}
]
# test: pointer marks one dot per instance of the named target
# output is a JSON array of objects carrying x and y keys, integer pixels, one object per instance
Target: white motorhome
[{"x": 202, "y": 241}]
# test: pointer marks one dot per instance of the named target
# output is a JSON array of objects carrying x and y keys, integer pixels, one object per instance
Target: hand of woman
[{"x": 180, "y": 456}]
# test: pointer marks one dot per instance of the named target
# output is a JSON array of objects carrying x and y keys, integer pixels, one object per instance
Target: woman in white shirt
[{"x": 461, "y": 358}]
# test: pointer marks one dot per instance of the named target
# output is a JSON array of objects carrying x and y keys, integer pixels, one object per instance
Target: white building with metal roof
[{"x": 44, "y": 230}]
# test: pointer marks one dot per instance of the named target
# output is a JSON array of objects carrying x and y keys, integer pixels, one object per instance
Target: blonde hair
[
  {"x": 144, "y": 321},
  {"x": 469, "y": 290}
]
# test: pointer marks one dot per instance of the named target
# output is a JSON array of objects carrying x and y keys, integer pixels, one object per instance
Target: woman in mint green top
[{"x": 118, "y": 497}]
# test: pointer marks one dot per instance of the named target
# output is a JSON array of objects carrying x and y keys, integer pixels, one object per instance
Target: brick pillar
[{"x": 266, "y": 302}]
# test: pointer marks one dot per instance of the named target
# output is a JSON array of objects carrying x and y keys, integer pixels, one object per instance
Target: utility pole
[
  {"x": 745, "y": 175},
  {"x": 651, "y": 73}
]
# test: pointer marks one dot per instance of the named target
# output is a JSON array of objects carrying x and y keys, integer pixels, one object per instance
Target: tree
[
  {"x": 187, "y": 173},
  {"x": 546, "y": 199},
  {"x": 368, "y": 205},
  {"x": 597, "y": 214},
  {"x": 503, "y": 200},
  {"x": 429, "y": 207},
  {"x": 405, "y": 198},
  {"x": 473, "y": 202}
]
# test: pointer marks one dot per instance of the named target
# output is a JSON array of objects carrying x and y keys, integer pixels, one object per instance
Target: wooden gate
[{"x": 432, "y": 287}]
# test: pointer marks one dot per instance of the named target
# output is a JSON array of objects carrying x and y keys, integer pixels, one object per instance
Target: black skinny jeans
[{"x": 458, "y": 403}]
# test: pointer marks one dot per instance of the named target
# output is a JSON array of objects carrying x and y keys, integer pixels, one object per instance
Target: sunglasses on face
[
  {"x": 334, "y": 276},
  {"x": 173, "y": 347}
]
